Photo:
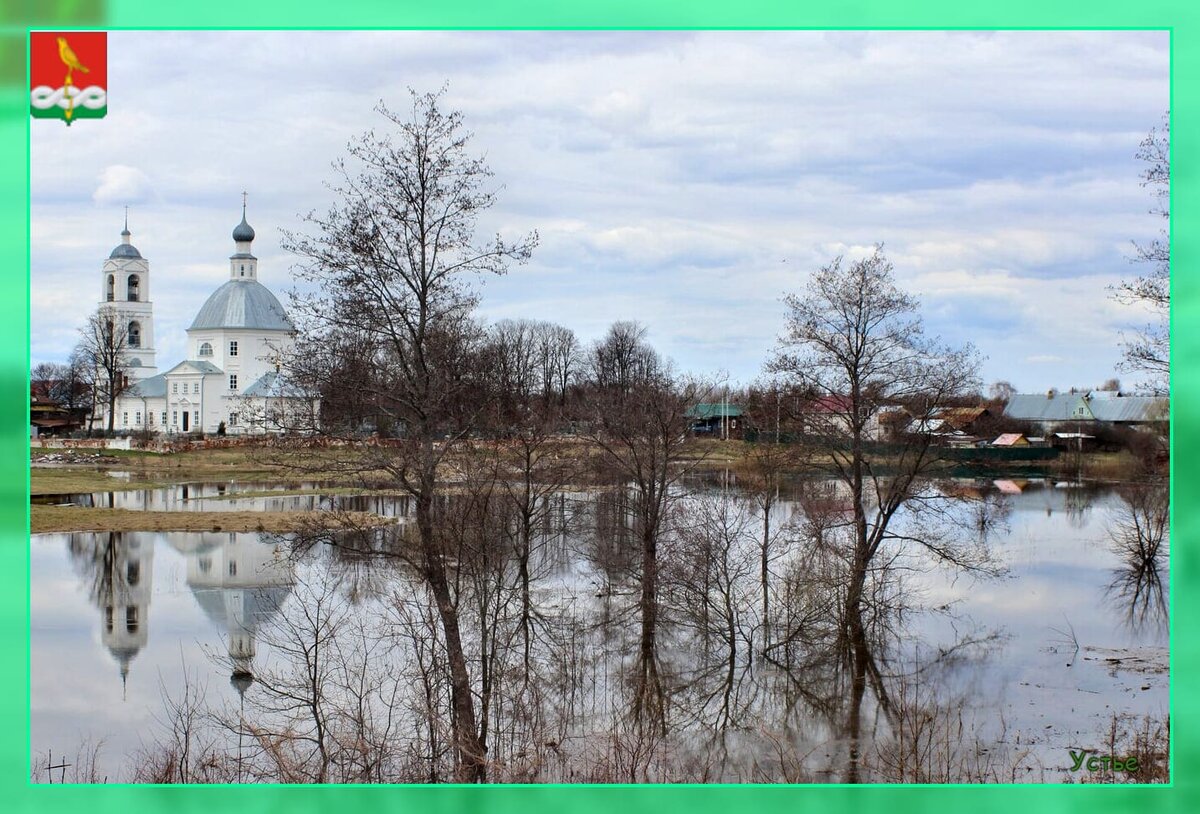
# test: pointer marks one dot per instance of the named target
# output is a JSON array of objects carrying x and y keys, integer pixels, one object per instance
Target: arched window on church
[
  {"x": 111, "y": 293},
  {"x": 133, "y": 287},
  {"x": 205, "y": 349},
  {"x": 134, "y": 339}
]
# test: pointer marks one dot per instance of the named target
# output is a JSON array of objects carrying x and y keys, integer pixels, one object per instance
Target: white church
[{"x": 232, "y": 380}]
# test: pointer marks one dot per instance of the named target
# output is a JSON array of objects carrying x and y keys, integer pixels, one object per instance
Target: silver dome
[
  {"x": 242, "y": 304},
  {"x": 124, "y": 250}
]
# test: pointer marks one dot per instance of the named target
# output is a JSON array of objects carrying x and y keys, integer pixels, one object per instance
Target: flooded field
[{"x": 260, "y": 652}]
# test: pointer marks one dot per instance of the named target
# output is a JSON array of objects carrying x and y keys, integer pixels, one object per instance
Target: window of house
[
  {"x": 124, "y": 419},
  {"x": 233, "y": 381},
  {"x": 195, "y": 387},
  {"x": 134, "y": 337},
  {"x": 137, "y": 418},
  {"x": 233, "y": 568},
  {"x": 133, "y": 572},
  {"x": 150, "y": 419},
  {"x": 233, "y": 347},
  {"x": 196, "y": 419},
  {"x": 110, "y": 289},
  {"x": 164, "y": 421},
  {"x": 205, "y": 565},
  {"x": 233, "y": 419},
  {"x": 174, "y": 387},
  {"x": 131, "y": 619},
  {"x": 132, "y": 283},
  {"x": 205, "y": 349},
  {"x": 174, "y": 417}
]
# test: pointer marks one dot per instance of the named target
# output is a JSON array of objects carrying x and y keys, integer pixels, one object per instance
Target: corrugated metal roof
[
  {"x": 1129, "y": 408},
  {"x": 274, "y": 385},
  {"x": 242, "y": 304},
  {"x": 1038, "y": 407},
  {"x": 1082, "y": 406},
  {"x": 200, "y": 367},
  {"x": 152, "y": 387},
  {"x": 706, "y": 410}
]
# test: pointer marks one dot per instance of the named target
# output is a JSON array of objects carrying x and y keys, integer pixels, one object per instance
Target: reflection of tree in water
[
  {"x": 1139, "y": 534},
  {"x": 1079, "y": 499},
  {"x": 357, "y": 685}
]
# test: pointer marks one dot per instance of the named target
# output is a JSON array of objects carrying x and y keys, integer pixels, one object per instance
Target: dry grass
[
  {"x": 64, "y": 481},
  {"x": 45, "y": 519}
]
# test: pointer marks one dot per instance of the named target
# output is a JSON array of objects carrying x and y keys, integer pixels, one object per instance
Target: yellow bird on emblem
[{"x": 69, "y": 59}]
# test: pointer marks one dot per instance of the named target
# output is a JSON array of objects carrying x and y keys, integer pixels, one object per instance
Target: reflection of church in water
[{"x": 239, "y": 581}]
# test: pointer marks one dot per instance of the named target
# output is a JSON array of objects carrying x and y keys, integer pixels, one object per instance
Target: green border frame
[{"x": 1184, "y": 23}]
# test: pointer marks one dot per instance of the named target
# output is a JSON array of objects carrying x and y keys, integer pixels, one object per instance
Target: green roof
[{"x": 707, "y": 410}]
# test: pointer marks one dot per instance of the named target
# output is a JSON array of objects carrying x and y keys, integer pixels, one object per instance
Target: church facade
[{"x": 232, "y": 380}]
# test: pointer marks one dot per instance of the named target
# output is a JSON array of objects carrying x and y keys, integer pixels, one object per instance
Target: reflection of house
[
  {"x": 240, "y": 582},
  {"x": 718, "y": 419},
  {"x": 1054, "y": 410},
  {"x": 120, "y": 568}
]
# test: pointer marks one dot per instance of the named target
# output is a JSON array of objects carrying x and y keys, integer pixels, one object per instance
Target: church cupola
[
  {"x": 125, "y": 249},
  {"x": 243, "y": 265}
]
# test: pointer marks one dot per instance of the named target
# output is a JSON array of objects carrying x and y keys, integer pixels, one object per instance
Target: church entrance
[{"x": 186, "y": 416}]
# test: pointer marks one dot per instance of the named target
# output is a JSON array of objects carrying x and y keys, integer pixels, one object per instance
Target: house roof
[
  {"x": 829, "y": 404},
  {"x": 1129, "y": 408},
  {"x": 1008, "y": 439},
  {"x": 707, "y": 410},
  {"x": 959, "y": 417},
  {"x": 196, "y": 365},
  {"x": 1098, "y": 405},
  {"x": 150, "y": 388},
  {"x": 274, "y": 385}
]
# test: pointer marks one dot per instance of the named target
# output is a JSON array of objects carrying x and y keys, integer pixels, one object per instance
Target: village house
[
  {"x": 1071, "y": 411},
  {"x": 717, "y": 420}
]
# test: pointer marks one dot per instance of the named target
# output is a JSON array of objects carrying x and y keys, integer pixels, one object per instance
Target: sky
[{"x": 687, "y": 180}]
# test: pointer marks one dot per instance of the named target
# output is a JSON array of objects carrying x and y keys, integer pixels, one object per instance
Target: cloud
[
  {"x": 669, "y": 174},
  {"x": 122, "y": 184}
]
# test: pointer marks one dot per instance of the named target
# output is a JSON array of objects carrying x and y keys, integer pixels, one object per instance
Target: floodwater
[{"x": 1016, "y": 669}]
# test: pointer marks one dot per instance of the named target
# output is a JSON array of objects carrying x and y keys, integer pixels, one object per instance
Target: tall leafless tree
[
  {"x": 393, "y": 262},
  {"x": 103, "y": 353},
  {"x": 1148, "y": 350},
  {"x": 855, "y": 338},
  {"x": 637, "y": 416}
]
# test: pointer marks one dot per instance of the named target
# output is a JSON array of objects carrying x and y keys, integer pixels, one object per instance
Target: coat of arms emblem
[{"x": 68, "y": 75}]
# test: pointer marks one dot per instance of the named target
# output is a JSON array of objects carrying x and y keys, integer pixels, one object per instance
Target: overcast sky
[{"x": 686, "y": 180}]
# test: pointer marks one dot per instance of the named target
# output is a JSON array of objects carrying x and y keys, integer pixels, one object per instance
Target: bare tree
[
  {"x": 103, "y": 354},
  {"x": 1001, "y": 391},
  {"x": 637, "y": 415},
  {"x": 1149, "y": 350},
  {"x": 858, "y": 340},
  {"x": 393, "y": 262}
]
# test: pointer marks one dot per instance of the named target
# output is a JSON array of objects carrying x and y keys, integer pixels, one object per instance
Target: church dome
[
  {"x": 243, "y": 233},
  {"x": 125, "y": 251},
  {"x": 242, "y": 303}
]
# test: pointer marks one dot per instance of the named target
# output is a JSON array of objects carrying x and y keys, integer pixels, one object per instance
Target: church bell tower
[{"x": 125, "y": 298}]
